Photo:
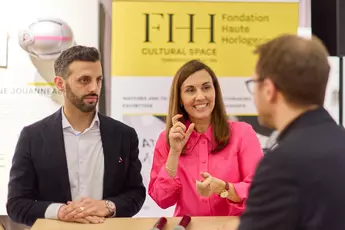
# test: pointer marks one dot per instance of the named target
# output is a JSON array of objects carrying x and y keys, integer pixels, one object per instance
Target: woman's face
[{"x": 198, "y": 95}]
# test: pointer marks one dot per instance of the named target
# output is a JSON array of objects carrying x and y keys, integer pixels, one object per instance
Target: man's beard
[{"x": 79, "y": 102}]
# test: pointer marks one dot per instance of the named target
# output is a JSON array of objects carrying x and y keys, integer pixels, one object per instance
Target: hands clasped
[{"x": 85, "y": 210}]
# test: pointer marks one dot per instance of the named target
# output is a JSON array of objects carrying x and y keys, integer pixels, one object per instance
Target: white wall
[
  {"x": 304, "y": 13},
  {"x": 18, "y": 110},
  {"x": 106, "y": 50}
]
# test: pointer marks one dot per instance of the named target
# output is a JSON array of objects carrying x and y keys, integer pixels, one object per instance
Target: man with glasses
[{"x": 299, "y": 183}]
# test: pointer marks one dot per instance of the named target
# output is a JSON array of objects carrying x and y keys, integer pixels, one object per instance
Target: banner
[
  {"x": 160, "y": 36},
  {"x": 151, "y": 40}
]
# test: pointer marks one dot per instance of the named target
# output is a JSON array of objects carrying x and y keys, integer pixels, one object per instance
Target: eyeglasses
[{"x": 251, "y": 83}]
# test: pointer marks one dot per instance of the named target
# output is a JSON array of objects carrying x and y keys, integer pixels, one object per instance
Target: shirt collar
[
  {"x": 66, "y": 124},
  {"x": 195, "y": 136}
]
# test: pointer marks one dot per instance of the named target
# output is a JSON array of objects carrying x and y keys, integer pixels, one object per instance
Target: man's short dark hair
[
  {"x": 297, "y": 66},
  {"x": 75, "y": 53}
]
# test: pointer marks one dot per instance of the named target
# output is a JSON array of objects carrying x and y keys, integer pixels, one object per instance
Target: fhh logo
[{"x": 154, "y": 22}]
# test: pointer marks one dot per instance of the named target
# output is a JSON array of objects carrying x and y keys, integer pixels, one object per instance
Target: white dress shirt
[{"x": 85, "y": 163}]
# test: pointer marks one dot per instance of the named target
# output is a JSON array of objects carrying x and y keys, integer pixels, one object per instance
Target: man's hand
[
  {"x": 86, "y": 207},
  {"x": 85, "y": 220}
]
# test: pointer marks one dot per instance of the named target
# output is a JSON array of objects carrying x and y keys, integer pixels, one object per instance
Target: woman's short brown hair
[{"x": 220, "y": 127}]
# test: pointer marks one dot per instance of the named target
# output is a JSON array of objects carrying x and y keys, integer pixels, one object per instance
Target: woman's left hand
[{"x": 209, "y": 185}]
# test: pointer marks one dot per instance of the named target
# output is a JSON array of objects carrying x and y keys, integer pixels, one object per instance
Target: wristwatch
[
  {"x": 225, "y": 191},
  {"x": 111, "y": 207}
]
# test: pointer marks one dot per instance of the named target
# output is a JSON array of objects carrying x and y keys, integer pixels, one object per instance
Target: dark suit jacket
[
  {"x": 299, "y": 185},
  {"x": 39, "y": 174}
]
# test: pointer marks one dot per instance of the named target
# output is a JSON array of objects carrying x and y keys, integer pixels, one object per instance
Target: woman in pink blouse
[{"x": 202, "y": 163}]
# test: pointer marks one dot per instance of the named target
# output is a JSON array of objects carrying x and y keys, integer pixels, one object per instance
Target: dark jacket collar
[{"x": 309, "y": 118}]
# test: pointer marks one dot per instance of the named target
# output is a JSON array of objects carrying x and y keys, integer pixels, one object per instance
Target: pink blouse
[{"x": 236, "y": 164}]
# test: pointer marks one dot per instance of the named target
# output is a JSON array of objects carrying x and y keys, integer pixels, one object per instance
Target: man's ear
[
  {"x": 59, "y": 83},
  {"x": 270, "y": 90}
]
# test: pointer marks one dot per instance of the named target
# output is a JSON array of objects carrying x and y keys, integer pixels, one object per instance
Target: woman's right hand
[{"x": 179, "y": 134}]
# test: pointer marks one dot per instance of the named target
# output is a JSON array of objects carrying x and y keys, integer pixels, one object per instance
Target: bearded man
[{"x": 76, "y": 165}]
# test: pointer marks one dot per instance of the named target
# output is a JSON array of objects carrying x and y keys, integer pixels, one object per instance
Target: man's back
[{"x": 299, "y": 184}]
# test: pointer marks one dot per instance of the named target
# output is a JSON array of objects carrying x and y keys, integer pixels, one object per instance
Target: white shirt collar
[{"x": 66, "y": 124}]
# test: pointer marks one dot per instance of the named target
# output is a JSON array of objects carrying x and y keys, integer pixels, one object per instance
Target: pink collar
[{"x": 195, "y": 136}]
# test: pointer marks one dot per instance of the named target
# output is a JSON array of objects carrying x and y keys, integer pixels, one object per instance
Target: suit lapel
[
  {"x": 113, "y": 159},
  {"x": 54, "y": 137}
]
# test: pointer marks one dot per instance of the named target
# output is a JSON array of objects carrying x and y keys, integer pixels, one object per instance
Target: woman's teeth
[{"x": 200, "y": 106}]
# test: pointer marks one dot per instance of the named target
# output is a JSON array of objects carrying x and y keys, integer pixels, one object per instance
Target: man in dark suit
[
  {"x": 76, "y": 165},
  {"x": 299, "y": 183}
]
